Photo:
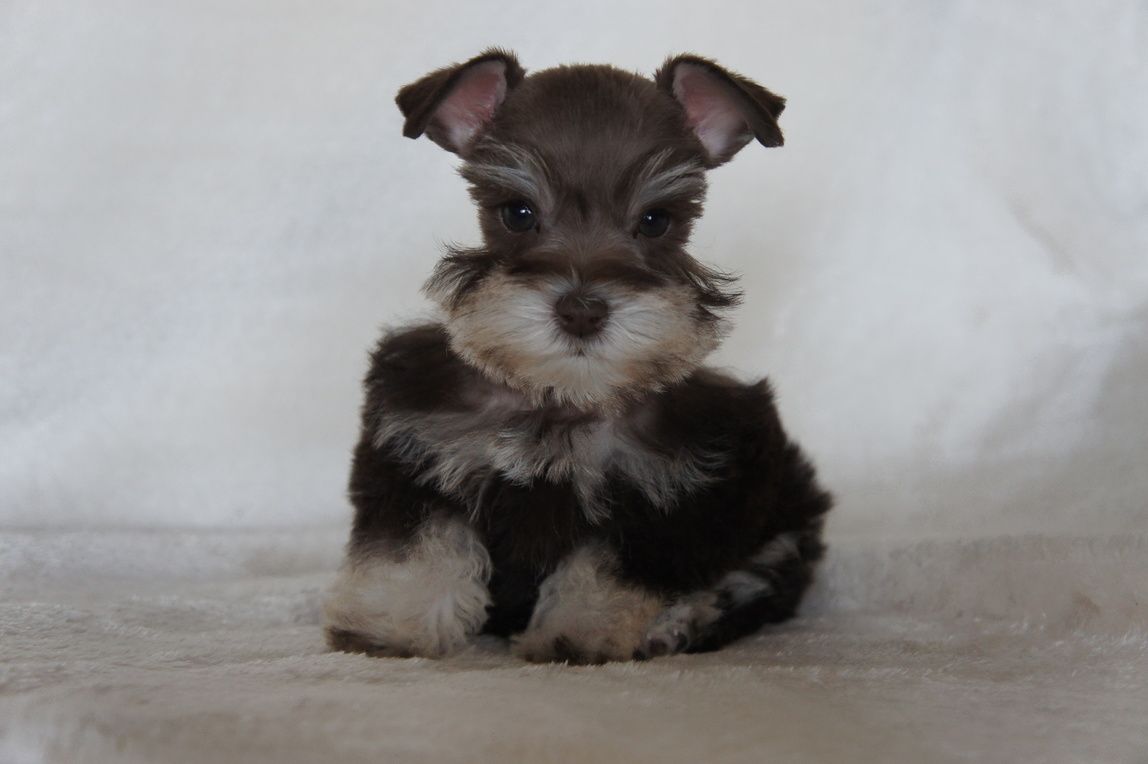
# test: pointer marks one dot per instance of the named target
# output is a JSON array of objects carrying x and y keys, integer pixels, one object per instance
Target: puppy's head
[{"x": 588, "y": 180}]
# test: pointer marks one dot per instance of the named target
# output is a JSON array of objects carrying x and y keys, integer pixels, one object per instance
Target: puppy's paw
[
  {"x": 586, "y": 615},
  {"x": 344, "y": 641},
  {"x": 428, "y": 601},
  {"x": 582, "y": 649}
]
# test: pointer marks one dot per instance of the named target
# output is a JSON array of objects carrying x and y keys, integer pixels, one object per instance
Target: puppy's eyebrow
[
  {"x": 508, "y": 167},
  {"x": 659, "y": 180}
]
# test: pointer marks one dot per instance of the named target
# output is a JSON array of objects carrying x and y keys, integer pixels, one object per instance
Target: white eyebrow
[
  {"x": 657, "y": 182},
  {"x": 511, "y": 167}
]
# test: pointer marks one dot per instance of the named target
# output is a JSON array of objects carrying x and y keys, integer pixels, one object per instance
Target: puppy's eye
[
  {"x": 653, "y": 223},
  {"x": 518, "y": 216}
]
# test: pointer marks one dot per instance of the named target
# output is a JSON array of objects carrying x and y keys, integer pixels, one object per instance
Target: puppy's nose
[{"x": 581, "y": 315}]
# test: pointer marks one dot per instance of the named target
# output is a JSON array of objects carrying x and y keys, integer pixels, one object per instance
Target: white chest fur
[{"x": 457, "y": 450}]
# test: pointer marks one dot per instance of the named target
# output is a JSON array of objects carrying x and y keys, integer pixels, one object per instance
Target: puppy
[{"x": 552, "y": 462}]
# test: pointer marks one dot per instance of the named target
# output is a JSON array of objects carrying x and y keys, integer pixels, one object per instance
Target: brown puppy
[{"x": 552, "y": 462}]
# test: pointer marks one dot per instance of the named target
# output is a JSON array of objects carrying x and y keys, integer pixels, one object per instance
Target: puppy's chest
[{"x": 458, "y": 451}]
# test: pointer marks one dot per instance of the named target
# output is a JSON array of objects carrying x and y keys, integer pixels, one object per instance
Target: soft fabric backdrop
[{"x": 207, "y": 212}]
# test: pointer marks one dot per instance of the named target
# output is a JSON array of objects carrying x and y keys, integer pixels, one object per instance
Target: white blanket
[{"x": 206, "y": 646}]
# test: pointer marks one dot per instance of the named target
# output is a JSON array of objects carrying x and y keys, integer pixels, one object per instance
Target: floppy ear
[
  {"x": 451, "y": 105},
  {"x": 724, "y": 109}
]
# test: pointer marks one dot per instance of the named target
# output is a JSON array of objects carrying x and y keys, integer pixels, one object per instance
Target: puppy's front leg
[
  {"x": 426, "y": 596},
  {"x": 586, "y": 613}
]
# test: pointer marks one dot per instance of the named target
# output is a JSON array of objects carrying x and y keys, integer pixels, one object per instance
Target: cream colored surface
[{"x": 206, "y": 646}]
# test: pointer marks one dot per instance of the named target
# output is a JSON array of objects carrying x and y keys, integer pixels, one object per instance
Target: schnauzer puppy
[{"x": 552, "y": 462}]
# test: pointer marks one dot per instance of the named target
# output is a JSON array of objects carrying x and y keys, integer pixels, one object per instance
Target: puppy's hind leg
[
  {"x": 766, "y": 588},
  {"x": 425, "y": 598}
]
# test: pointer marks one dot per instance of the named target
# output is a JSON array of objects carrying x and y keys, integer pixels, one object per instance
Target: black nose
[{"x": 581, "y": 315}]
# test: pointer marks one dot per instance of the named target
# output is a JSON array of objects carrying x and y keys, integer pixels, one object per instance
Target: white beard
[{"x": 652, "y": 338}]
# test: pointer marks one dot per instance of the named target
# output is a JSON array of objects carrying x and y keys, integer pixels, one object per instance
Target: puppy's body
[{"x": 552, "y": 461}]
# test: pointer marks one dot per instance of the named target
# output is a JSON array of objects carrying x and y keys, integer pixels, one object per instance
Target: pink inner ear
[
  {"x": 711, "y": 111},
  {"x": 472, "y": 102}
]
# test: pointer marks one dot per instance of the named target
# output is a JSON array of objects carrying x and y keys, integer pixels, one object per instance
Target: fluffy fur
[
  {"x": 586, "y": 614},
  {"x": 506, "y": 328},
  {"x": 585, "y": 486},
  {"x": 425, "y": 597}
]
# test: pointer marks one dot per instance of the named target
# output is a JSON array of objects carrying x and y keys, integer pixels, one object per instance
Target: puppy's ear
[
  {"x": 724, "y": 109},
  {"x": 452, "y": 104}
]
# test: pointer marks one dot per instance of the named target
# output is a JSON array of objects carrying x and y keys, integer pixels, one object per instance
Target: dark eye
[
  {"x": 518, "y": 216},
  {"x": 653, "y": 223}
]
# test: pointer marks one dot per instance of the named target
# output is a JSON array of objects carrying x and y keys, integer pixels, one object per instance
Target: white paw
[
  {"x": 585, "y": 614},
  {"x": 427, "y": 600}
]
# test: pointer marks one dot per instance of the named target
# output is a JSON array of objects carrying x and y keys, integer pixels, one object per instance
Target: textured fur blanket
[{"x": 204, "y": 646}]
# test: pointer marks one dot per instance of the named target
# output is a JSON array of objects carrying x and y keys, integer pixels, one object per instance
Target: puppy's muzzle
[{"x": 581, "y": 315}]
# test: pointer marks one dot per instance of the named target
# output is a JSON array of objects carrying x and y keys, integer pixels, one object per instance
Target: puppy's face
[{"x": 588, "y": 180}]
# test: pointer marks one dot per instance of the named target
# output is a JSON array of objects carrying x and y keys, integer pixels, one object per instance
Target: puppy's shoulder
[
  {"x": 411, "y": 347},
  {"x": 712, "y": 411},
  {"x": 413, "y": 368},
  {"x": 710, "y": 393}
]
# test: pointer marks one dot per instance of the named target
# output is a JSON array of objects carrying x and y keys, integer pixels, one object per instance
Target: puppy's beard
[{"x": 651, "y": 338}]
